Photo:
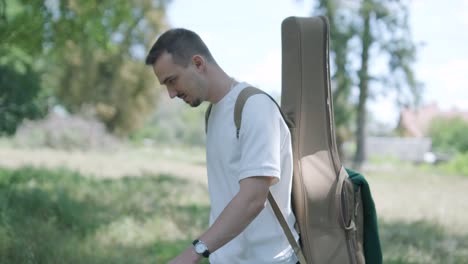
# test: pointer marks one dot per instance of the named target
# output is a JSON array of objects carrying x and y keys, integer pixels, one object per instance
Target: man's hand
[{"x": 187, "y": 257}]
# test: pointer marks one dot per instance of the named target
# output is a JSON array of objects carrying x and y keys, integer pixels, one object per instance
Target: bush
[
  {"x": 174, "y": 123},
  {"x": 458, "y": 165},
  {"x": 449, "y": 135},
  {"x": 63, "y": 131}
]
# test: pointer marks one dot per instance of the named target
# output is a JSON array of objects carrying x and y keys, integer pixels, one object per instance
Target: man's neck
[{"x": 220, "y": 87}]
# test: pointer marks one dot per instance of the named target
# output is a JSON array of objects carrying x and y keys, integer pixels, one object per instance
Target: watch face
[{"x": 200, "y": 248}]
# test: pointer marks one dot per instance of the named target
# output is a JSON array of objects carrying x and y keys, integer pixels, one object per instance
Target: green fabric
[{"x": 372, "y": 249}]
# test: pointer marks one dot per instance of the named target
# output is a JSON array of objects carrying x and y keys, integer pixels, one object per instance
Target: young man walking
[{"x": 241, "y": 170}]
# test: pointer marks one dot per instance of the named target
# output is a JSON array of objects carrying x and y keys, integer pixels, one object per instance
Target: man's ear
[{"x": 198, "y": 61}]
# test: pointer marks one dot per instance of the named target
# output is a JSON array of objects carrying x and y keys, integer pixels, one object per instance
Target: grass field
[{"x": 139, "y": 206}]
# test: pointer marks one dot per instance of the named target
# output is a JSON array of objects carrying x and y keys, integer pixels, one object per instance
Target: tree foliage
[
  {"x": 20, "y": 87},
  {"x": 19, "y": 97},
  {"x": 89, "y": 54},
  {"x": 98, "y": 52},
  {"x": 364, "y": 33}
]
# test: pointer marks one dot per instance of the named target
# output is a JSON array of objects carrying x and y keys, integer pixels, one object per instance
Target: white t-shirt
[{"x": 263, "y": 149}]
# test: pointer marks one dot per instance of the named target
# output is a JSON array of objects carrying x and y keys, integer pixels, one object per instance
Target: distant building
[
  {"x": 407, "y": 149},
  {"x": 414, "y": 143},
  {"x": 415, "y": 123}
]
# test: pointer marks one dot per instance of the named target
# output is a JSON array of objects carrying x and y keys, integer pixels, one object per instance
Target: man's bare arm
[{"x": 243, "y": 208}]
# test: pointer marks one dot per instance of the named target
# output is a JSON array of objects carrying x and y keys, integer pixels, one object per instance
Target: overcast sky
[{"x": 245, "y": 39}]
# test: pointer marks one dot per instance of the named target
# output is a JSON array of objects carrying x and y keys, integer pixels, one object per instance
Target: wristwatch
[{"x": 200, "y": 248}]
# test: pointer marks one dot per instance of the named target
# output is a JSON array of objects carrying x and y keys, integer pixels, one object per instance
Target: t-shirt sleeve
[{"x": 259, "y": 138}]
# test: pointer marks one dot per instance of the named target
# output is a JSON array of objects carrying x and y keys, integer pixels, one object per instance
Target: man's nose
[{"x": 172, "y": 93}]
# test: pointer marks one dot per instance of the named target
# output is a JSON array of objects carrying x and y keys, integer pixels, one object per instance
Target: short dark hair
[{"x": 182, "y": 44}]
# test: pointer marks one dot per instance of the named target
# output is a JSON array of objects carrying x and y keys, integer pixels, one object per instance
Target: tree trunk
[
  {"x": 360, "y": 154},
  {"x": 339, "y": 146}
]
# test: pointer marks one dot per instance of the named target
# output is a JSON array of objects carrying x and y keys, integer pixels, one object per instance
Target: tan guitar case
[{"x": 324, "y": 201}]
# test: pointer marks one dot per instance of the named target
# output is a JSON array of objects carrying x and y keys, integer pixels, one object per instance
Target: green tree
[
  {"x": 364, "y": 31},
  {"x": 21, "y": 94},
  {"x": 97, "y": 49},
  {"x": 19, "y": 98},
  {"x": 88, "y": 54}
]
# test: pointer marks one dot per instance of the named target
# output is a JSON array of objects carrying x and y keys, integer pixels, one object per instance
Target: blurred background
[{"x": 98, "y": 165}]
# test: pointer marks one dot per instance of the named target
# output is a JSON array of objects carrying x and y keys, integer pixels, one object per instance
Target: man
[{"x": 241, "y": 171}]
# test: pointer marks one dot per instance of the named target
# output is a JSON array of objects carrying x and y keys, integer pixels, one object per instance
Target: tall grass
[
  {"x": 58, "y": 216},
  {"x": 421, "y": 242}
]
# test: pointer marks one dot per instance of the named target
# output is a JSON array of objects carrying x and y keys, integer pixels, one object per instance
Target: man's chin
[{"x": 195, "y": 103}]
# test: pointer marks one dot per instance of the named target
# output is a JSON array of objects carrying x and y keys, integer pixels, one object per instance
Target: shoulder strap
[
  {"x": 242, "y": 99},
  {"x": 239, "y": 106},
  {"x": 240, "y": 102},
  {"x": 287, "y": 231}
]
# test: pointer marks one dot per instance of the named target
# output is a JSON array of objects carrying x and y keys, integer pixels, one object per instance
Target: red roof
[{"x": 415, "y": 123}]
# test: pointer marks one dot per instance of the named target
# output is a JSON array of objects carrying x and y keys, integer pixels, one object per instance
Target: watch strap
[{"x": 205, "y": 253}]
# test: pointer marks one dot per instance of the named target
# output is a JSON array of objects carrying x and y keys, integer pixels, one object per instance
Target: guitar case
[{"x": 327, "y": 208}]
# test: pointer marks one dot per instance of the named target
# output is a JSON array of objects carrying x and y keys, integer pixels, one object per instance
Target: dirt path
[{"x": 100, "y": 164}]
